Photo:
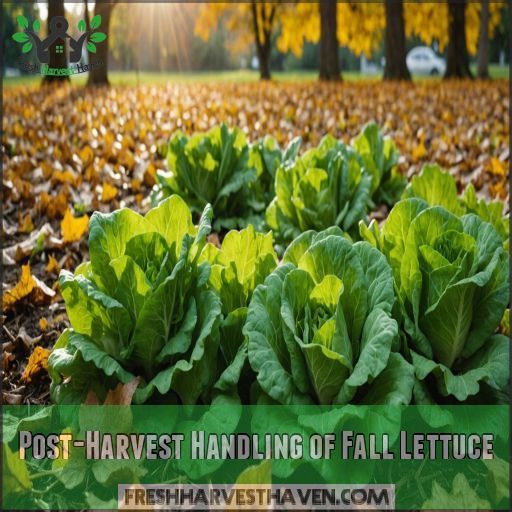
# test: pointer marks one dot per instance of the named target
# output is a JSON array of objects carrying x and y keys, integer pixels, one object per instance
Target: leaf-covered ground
[{"x": 68, "y": 151}]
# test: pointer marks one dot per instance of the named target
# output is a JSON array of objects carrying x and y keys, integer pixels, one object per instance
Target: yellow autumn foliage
[
  {"x": 300, "y": 23},
  {"x": 22, "y": 288},
  {"x": 360, "y": 25},
  {"x": 108, "y": 193},
  {"x": 37, "y": 362},
  {"x": 429, "y": 21},
  {"x": 238, "y": 20},
  {"x": 73, "y": 228}
]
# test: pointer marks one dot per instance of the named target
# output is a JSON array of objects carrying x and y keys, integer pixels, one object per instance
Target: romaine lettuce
[
  {"x": 211, "y": 168},
  {"x": 325, "y": 187},
  {"x": 243, "y": 262},
  {"x": 438, "y": 188},
  {"x": 266, "y": 156},
  {"x": 380, "y": 159},
  {"x": 140, "y": 308},
  {"x": 320, "y": 327},
  {"x": 451, "y": 274}
]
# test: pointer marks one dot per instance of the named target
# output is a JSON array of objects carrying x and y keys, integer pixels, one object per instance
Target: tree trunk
[
  {"x": 264, "y": 62},
  {"x": 57, "y": 60},
  {"x": 98, "y": 75},
  {"x": 483, "y": 42},
  {"x": 86, "y": 15},
  {"x": 329, "y": 61},
  {"x": 457, "y": 65},
  {"x": 87, "y": 25},
  {"x": 396, "y": 67},
  {"x": 263, "y": 47}
]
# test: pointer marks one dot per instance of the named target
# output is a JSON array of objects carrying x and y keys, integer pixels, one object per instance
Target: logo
[{"x": 55, "y": 42}]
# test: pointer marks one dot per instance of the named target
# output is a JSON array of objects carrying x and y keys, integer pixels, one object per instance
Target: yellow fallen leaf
[
  {"x": 86, "y": 155},
  {"x": 43, "y": 324},
  {"x": 150, "y": 175},
  {"x": 73, "y": 228},
  {"x": 47, "y": 169},
  {"x": 136, "y": 185},
  {"x": 53, "y": 266},
  {"x": 37, "y": 362},
  {"x": 26, "y": 224},
  {"x": 420, "y": 151},
  {"x": 498, "y": 190},
  {"x": 109, "y": 192},
  {"x": 64, "y": 177},
  {"x": 53, "y": 206},
  {"x": 23, "y": 288},
  {"x": 498, "y": 167}
]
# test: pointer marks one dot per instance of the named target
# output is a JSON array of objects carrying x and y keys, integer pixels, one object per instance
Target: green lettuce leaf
[
  {"x": 451, "y": 275},
  {"x": 211, "y": 168},
  {"x": 320, "y": 327},
  {"x": 326, "y": 187},
  {"x": 380, "y": 158},
  {"x": 142, "y": 308}
]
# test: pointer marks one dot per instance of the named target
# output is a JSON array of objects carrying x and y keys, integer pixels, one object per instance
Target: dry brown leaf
[
  {"x": 214, "y": 239},
  {"x": 122, "y": 394},
  {"x": 136, "y": 184},
  {"x": 24, "y": 338},
  {"x": 41, "y": 294},
  {"x": 43, "y": 236},
  {"x": 67, "y": 176},
  {"x": 419, "y": 151},
  {"x": 11, "y": 398}
]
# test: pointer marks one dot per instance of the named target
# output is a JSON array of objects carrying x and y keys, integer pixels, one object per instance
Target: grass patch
[{"x": 237, "y": 76}]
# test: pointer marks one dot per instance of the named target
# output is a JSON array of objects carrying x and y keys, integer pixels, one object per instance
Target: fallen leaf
[
  {"x": 150, "y": 175},
  {"x": 67, "y": 176},
  {"x": 73, "y": 228},
  {"x": 41, "y": 294},
  {"x": 11, "y": 399},
  {"x": 108, "y": 193},
  {"x": 22, "y": 289},
  {"x": 53, "y": 266},
  {"x": 136, "y": 184},
  {"x": 419, "y": 151},
  {"x": 37, "y": 362},
  {"x": 26, "y": 340},
  {"x": 44, "y": 236},
  {"x": 26, "y": 224},
  {"x": 7, "y": 355},
  {"x": 43, "y": 324},
  {"x": 86, "y": 155},
  {"x": 214, "y": 240},
  {"x": 122, "y": 394},
  {"x": 497, "y": 167},
  {"x": 27, "y": 287}
]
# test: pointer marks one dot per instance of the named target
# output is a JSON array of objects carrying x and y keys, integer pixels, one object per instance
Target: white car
[{"x": 422, "y": 60}]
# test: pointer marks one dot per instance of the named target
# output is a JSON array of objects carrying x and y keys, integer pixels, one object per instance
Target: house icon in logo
[{"x": 58, "y": 37}]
